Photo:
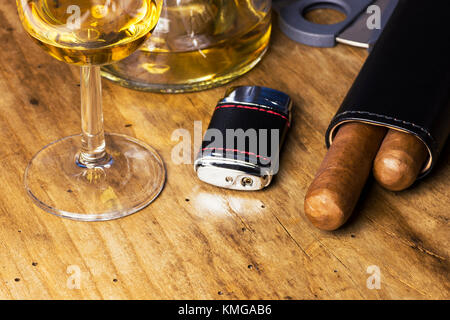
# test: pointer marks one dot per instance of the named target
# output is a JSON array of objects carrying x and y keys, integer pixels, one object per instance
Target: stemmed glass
[{"x": 92, "y": 176}]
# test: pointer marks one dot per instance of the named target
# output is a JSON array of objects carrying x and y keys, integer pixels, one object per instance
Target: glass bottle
[{"x": 198, "y": 44}]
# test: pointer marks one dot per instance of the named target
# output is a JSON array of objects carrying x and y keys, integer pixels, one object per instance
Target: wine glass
[{"x": 93, "y": 176}]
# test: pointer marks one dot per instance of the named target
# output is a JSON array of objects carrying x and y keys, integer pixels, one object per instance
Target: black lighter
[{"x": 241, "y": 147}]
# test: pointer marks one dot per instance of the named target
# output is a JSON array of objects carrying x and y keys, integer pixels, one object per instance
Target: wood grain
[{"x": 196, "y": 241}]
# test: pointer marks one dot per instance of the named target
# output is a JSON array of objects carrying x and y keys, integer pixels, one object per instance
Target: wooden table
[{"x": 197, "y": 241}]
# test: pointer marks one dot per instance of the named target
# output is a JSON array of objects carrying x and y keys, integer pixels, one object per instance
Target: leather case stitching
[
  {"x": 256, "y": 109},
  {"x": 388, "y": 118},
  {"x": 239, "y": 151}
]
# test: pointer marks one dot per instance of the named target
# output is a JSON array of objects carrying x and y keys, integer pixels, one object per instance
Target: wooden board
[{"x": 196, "y": 241}]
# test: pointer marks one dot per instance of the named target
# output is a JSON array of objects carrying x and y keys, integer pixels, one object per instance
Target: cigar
[
  {"x": 399, "y": 161},
  {"x": 332, "y": 196}
]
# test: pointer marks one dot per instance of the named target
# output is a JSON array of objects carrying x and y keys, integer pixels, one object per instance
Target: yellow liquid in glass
[
  {"x": 198, "y": 45},
  {"x": 89, "y": 32}
]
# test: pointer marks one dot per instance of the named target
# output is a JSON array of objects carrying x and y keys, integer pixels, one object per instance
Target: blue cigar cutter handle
[{"x": 296, "y": 27}]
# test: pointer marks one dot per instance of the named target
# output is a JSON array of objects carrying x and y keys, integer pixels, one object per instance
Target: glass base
[
  {"x": 136, "y": 78},
  {"x": 128, "y": 183}
]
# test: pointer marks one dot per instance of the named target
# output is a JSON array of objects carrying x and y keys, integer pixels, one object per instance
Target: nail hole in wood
[{"x": 34, "y": 101}]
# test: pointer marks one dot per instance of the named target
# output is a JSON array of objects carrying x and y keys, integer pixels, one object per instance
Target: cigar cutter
[
  {"x": 241, "y": 147},
  {"x": 363, "y": 25}
]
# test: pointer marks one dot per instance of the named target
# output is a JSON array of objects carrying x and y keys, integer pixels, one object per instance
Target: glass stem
[{"x": 93, "y": 152}]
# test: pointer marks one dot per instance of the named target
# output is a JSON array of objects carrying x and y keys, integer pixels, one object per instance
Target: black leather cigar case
[{"x": 405, "y": 82}]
